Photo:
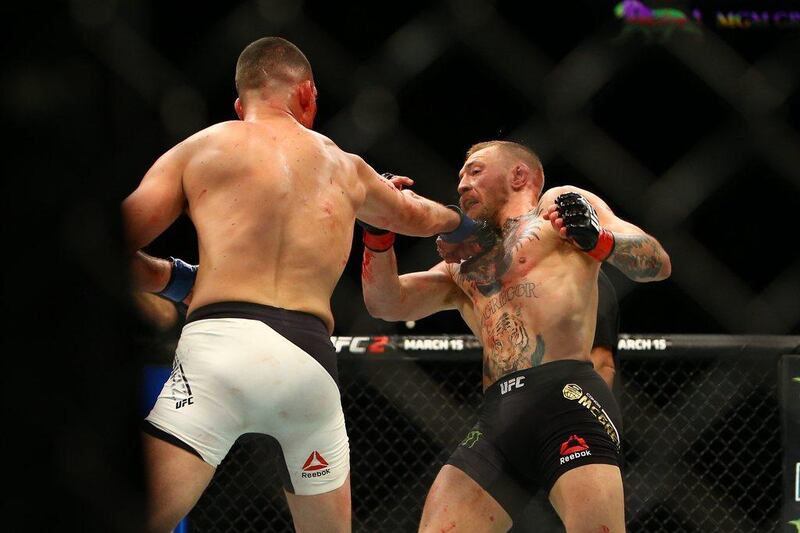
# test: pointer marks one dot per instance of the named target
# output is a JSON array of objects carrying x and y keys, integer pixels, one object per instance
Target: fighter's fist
[
  {"x": 456, "y": 252},
  {"x": 574, "y": 218},
  {"x": 470, "y": 238},
  {"x": 398, "y": 181},
  {"x": 181, "y": 281}
]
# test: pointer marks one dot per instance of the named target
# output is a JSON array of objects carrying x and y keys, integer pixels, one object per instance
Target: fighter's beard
[{"x": 487, "y": 214}]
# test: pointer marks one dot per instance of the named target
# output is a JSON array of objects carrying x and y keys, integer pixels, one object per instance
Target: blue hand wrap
[
  {"x": 466, "y": 228},
  {"x": 181, "y": 280}
]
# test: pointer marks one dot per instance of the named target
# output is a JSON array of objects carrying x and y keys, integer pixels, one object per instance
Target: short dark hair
[
  {"x": 519, "y": 150},
  {"x": 269, "y": 60}
]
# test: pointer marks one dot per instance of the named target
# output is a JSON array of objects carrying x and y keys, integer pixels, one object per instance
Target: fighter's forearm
[
  {"x": 380, "y": 284},
  {"x": 148, "y": 273},
  {"x": 640, "y": 257},
  {"x": 423, "y": 217},
  {"x": 157, "y": 311},
  {"x": 603, "y": 362},
  {"x": 607, "y": 373}
]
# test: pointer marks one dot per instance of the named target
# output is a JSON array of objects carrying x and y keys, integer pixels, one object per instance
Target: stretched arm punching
[{"x": 387, "y": 207}]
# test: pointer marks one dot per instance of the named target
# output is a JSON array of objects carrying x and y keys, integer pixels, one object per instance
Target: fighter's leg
[
  {"x": 589, "y": 499},
  {"x": 457, "y": 503},
  {"x": 322, "y": 513},
  {"x": 307, "y": 425},
  {"x": 175, "y": 480}
]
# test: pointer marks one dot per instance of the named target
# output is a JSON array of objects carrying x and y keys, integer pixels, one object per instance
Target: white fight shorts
[{"x": 249, "y": 368}]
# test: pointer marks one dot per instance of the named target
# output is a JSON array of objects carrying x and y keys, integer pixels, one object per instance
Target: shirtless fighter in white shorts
[{"x": 273, "y": 204}]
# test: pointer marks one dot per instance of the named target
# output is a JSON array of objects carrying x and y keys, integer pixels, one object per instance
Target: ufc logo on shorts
[
  {"x": 513, "y": 383},
  {"x": 184, "y": 402}
]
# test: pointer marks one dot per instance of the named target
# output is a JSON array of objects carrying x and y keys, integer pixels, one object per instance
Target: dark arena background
[{"x": 688, "y": 125}]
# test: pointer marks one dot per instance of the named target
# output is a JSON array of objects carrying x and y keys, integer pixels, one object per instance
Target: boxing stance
[
  {"x": 273, "y": 204},
  {"x": 548, "y": 420}
]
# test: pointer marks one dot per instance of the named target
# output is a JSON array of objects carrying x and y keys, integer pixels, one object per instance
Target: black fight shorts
[{"x": 536, "y": 424}]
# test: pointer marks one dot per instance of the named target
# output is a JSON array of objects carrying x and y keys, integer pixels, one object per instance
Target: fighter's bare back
[
  {"x": 273, "y": 204},
  {"x": 267, "y": 199}
]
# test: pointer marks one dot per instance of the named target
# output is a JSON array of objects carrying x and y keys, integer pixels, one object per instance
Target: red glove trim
[
  {"x": 604, "y": 247},
  {"x": 378, "y": 243}
]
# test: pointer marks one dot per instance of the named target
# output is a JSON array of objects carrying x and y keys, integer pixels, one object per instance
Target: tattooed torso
[{"x": 531, "y": 298}]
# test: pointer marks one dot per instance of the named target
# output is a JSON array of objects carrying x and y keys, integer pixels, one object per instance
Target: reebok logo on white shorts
[{"x": 315, "y": 466}]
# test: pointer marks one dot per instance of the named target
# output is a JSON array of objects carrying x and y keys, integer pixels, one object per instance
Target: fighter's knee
[
  {"x": 331, "y": 523},
  {"x": 332, "y": 526},
  {"x": 581, "y": 525}
]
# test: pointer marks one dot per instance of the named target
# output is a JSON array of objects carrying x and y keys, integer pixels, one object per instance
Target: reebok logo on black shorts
[{"x": 573, "y": 448}]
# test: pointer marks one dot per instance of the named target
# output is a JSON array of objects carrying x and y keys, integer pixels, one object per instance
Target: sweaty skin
[
  {"x": 532, "y": 297},
  {"x": 273, "y": 203}
]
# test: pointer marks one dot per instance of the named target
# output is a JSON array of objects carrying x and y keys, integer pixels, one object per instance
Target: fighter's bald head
[{"x": 270, "y": 62}]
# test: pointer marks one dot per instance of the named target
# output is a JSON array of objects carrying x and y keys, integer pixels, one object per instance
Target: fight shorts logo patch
[
  {"x": 315, "y": 466},
  {"x": 181, "y": 390},
  {"x": 471, "y": 438},
  {"x": 511, "y": 384},
  {"x": 572, "y": 391},
  {"x": 573, "y": 448}
]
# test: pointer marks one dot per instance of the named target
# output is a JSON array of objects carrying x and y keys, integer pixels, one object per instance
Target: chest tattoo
[
  {"x": 507, "y": 295},
  {"x": 486, "y": 270},
  {"x": 508, "y": 346}
]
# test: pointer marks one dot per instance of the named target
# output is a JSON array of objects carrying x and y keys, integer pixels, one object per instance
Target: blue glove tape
[
  {"x": 181, "y": 280},
  {"x": 466, "y": 228}
]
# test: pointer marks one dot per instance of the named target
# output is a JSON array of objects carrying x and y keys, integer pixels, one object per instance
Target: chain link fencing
[
  {"x": 674, "y": 129},
  {"x": 702, "y": 441}
]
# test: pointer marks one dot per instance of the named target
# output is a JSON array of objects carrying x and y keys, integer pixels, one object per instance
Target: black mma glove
[{"x": 583, "y": 226}]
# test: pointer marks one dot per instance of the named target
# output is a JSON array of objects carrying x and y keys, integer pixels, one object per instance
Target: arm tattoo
[{"x": 636, "y": 256}]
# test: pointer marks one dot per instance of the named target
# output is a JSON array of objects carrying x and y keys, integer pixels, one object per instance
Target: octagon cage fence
[{"x": 704, "y": 444}]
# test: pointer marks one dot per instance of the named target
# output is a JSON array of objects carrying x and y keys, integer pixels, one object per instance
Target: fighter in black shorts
[
  {"x": 548, "y": 420},
  {"x": 534, "y": 425},
  {"x": 538, "y": 516}
]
